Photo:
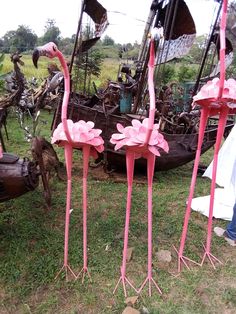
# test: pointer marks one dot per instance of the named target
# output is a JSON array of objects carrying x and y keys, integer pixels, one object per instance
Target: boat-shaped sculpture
[{"x": 126, "y": 99}]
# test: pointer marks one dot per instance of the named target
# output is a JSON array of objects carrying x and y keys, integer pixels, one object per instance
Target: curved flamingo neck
[
  {"x": 152, "y": 105},
  {"x": 222, "y": 47},
  {"x": 66, "y": 95}
]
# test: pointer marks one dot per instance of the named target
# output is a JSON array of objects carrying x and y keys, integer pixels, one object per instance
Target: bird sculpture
[
  {"x": 47, "y": 160},
  {"x": 142, "y": 139},
  {"x": 79, "y": 135},
  {"x": 216, "y": 97}
]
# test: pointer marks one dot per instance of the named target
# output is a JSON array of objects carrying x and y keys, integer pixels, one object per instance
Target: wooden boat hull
[{"x": 182, "y": 147}]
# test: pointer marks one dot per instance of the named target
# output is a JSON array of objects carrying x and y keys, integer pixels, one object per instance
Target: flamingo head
[{"x": 49, "y": 50}]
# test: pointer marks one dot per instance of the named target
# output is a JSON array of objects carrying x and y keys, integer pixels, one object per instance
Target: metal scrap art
[
  {"x": 18, "y": 176},
  {"x": 126, "y": 98}
]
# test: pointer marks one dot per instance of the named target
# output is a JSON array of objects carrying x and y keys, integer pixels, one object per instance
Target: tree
[
  {"x": 196, "y": 51},
  {"x": 52, "y": 32},
  {"x": 88, "y": 65},
  {"x": 67, "y": 45},
  {"x": 8, "y": 40},
  {"x": 108, "y": 41},
  {"x": 186, "y": 73},
  {"x": 23, "y": 39},
  {"x": 167, "y": 74},
  {"x": 1, "y": 44}
]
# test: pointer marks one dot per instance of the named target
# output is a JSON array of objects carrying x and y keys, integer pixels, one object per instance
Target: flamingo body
[
  {"x": 216, "y": 97},
  {"x": 208, "y": 94},
  {"x": 70, "y": 135},
  {"x": 82, "y": 133},
  {"x": 134, "y": 136},
  {"x": 141, "y": 139}
]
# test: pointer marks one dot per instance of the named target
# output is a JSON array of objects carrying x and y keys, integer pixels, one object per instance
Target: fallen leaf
[
  {"x": 130, "y": 310},
  {"x": 129, "y": 254},
  {"x": 131, "y": 300}
]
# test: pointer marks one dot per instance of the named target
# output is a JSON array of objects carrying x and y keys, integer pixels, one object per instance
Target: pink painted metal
[
  {"x": 140, "y": 140},
  {"x": 216, "y": 97},
  {"x": 70, "y": 135}
]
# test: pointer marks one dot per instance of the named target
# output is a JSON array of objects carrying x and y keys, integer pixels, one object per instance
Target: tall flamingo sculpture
[
  {"x": 140, "y": 140},
  {"x": 216, "y": 97},
  {"x": 78, "y": 135}
]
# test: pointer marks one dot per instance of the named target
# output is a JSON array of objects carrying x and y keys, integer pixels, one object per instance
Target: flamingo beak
[{"x": 35, "y": 56}]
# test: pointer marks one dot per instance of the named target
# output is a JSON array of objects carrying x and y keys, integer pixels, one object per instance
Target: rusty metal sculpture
[
  {"x": 14, "y": 98},
  {"x": 17, "y": 176}
]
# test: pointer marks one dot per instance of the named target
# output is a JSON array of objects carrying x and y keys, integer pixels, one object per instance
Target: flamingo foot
[
  {"x": 84, "y": 272},
  {"x": 184, "y": 260},
  {"x": 67, "y": 270},
  {"x": 213, "y": 260},
  {"x": 149, "y": 280},
  {"x": 124, "y": 280}
]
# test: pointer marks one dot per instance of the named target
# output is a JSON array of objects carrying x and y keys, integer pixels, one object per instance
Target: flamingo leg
[
  {"x": 203, "y": 122},
  {"x": 150, "y": 173},
  {"x": 86, "y": 154},
  {"x": 220, "y": 132},
  {"x": 130, "y": 174},
  {"x": 68, "y": 159}
]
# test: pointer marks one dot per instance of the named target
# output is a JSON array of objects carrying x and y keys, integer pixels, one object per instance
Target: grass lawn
[{"x": 31, "y": 246}]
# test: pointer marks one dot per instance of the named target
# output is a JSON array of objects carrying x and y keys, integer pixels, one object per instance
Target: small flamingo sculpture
[
  {"x": 140, "y": 140},
  {"x": 216, "y": 97},
  {"x": 79, "y": 135}
]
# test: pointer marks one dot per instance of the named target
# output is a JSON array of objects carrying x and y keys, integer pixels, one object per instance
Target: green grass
[
  {"x": 31, "y": 245},
  {"x": 28, "y": 69},
  {"x": 109, "y": 69}
]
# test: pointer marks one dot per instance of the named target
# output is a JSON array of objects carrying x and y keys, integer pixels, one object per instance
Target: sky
[{"x": 126, "y": 26}]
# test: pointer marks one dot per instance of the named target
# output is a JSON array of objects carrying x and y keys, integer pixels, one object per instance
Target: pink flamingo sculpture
[
  {"x": 79, "y": 135},
  {"x": 140, "y": 140},
  {"x": 216, "y": 97}
]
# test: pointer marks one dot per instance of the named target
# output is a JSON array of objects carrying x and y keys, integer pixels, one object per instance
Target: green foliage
[
  {"x": 86, "y": 67},
  {"x": 186, "y": 73},
  {"x": 168, "y": 73},
  {"x": 1, "y": 68},
  {"x": 66, "y": 45},
  {"x": 196, "y": 52},
  {"x": 23, "y": 39},
  {"x": 52, "y": 32},
  {"x": 1, "y": 62},
  {"x": 108, "y": 41}
]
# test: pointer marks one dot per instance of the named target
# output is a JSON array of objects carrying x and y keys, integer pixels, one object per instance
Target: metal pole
[{"x": 77, "y": 35}]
